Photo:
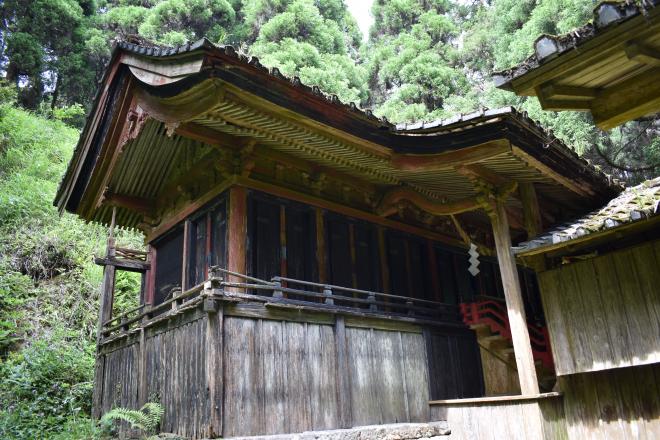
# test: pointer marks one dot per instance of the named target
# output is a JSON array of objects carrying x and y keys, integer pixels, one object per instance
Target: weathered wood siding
[
  {"x": 283, "y": 377},
  {"x": 531, "y": 419},
  {"x": 177, "y": 376},
  {"x": 622, "y": 403},
  {"x": 249, "y": 369},
  {"x": 604, "y": 312},
  {"x": 120, "y": 380}
]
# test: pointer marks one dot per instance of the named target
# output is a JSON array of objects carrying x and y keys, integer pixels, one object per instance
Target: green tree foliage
[
  {"x": 412, "y": 59},
  {"x": 315, "y": 40},
  {"x": 44, "y": 42},
  {"x": 46, "y": 386}
]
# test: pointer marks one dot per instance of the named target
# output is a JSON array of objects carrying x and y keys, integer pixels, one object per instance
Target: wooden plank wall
[
  {"x": 283, "y": 377},
  {"x": 536, "y": 419},
  {"x": 284, "y": 374},
  {"x": 604, "y": 312},
  {"x": 177, "y": 377},
  {"x": 622, "y": 403}
]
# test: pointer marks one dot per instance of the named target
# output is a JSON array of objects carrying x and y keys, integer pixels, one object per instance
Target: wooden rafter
[
  {"x": 643, "y": 54},
  {"x": 132, "y": 203}
]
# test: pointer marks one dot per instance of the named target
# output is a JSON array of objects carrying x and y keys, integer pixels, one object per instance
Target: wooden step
[
  {"x": 481, "y": 329},
  {"x": 495, "y": 342}
]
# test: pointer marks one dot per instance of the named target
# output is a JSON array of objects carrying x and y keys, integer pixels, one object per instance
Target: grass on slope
[{"x": 48, "y": 285}]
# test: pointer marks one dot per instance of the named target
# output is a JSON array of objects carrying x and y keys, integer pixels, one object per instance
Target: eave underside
[{"x": 158, "y": 172}]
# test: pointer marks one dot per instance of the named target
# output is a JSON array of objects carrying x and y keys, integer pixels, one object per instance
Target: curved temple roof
[
  {"x": 610, "y": 67},
  {"x": 202, "y": 92}
]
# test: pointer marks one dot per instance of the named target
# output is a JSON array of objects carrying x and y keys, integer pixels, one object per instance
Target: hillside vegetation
[{"x": 48, "y": 284}]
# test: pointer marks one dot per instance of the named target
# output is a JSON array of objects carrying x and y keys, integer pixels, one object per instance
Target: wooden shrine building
[
  {"x": 310, "y": 266},
  {"x": 610, "y": 67}
]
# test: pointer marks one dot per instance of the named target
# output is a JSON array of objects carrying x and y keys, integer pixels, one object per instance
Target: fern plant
[{"x": 145, "y": 419}]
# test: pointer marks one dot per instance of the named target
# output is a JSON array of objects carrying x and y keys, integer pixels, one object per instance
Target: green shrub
[{"x": 45, "y": 386}]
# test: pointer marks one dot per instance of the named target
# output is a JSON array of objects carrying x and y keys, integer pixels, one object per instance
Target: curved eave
[{"x": 179, "y": 85}]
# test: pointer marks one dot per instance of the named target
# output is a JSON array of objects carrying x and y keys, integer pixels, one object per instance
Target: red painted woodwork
[{"x": 493, "y": 314}]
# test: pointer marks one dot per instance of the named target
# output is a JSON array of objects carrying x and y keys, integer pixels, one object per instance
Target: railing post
[
  {"x": 372, "y": 302},
  {"x": 175, "y": 292},
  {"x": 327, "y": 291},
  {"x": 277, "y": 293},
  {"x": 409, "y": 306}
]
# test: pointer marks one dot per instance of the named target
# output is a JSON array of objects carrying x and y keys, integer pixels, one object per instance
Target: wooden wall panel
[
  {"x": 277, "y": 375},
  {"x": 500, "y": 377},
  {"x": 532, "y": 419},
  {"x": 416, "y": 374},
  {"x": 622, "y": 403},
  {"x": 120, "y": 379},
  {"x": 176, "y": 377},
  {"x": 612, "y": 303}
]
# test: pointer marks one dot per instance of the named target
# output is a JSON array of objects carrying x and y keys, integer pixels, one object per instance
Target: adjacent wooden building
[
  {"x": 609, "y": 67},
  {"x": 307, "y": 263}
]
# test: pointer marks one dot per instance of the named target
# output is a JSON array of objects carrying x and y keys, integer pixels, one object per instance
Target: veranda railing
[{"x": 283, "y": 290}]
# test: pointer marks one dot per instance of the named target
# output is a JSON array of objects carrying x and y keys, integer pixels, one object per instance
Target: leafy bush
[{"x": 45, "y": 386}]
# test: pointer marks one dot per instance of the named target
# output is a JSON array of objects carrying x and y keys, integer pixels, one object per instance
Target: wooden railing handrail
[
  {"x": 240, "y": 275},
  {"x": 376, "y": 301},
  {"x": 152, "y": 310},
  {"x": 122, "y": 315},
  {"x": 340, "y": 298},
  {"x": 352, "y": 290}
]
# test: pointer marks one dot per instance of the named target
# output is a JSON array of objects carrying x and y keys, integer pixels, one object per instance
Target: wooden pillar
[
  {"x": 237, "y": 231},
  {"x": 531, "y": 212},
  {"x": 185, "y": 255},
  {"x": 320, "y": 245},
  {"x": 343, "y": 386},
  {"x": 382, "y": 253},
  {"x": 514, "y": 302},
  {"x": 108, "y": 286}
]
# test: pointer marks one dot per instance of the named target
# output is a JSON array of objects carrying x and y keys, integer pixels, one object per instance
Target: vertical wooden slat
[
  {"x": 515, "y": 307},
  {"x": 643, "y": 330},
  {"x": 351, "y": 241},
  {"x": 433, "y": 267},
  {"x": 142, "y": 380},
  {"x": 208, "y": 245},
  {"x": 648, "y": 281},
  {"x": 237, "y": 231},
  {"x": 283, "y": 246},
  {"x": 214, "y": 369},
  {"x": 275, "y": 370},
  {"x": 343, "y": 385},
  {"x": 573, "y": 310},
  {"x": 561, "y": 346}
]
